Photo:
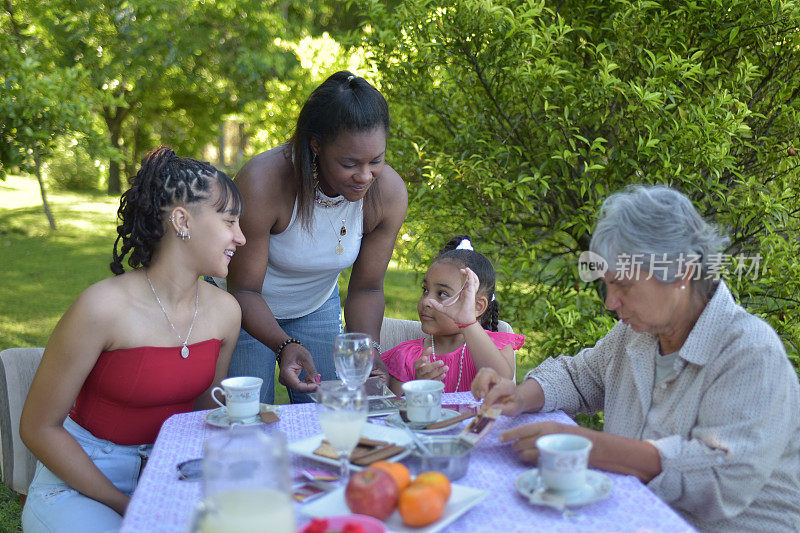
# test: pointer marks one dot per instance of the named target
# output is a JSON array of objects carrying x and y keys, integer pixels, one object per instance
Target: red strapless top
[{"x": 130, "y": 392}]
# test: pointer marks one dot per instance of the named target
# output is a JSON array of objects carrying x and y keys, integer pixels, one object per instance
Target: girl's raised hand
[
  {"x": 460, "y": 307},
  {"x": 424, "y": 368}
]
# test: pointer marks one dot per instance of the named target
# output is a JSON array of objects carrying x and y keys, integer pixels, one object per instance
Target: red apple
[{"x": 372, "y": 492}]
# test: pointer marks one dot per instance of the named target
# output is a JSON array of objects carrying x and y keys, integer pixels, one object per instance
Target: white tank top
[{"x": 303, "y": 266}]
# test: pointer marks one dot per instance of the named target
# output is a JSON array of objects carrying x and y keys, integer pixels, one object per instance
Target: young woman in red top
[{"x": 136, "y": 348}]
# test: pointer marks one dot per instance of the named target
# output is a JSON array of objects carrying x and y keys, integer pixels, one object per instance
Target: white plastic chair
[{"x": 17, "y": 368}]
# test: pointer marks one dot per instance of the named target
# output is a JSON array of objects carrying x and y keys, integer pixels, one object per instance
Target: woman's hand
[
  {"x": 497, "y": 391},
  {"x": 613, "y": 453},
  {"x": 424, "y": 368},
  {"x": 294, "y": 359},
  {"x": 460, "y": 307},
  {"x": 501, "y": 392},
  {"x": 523, "y": 438}
]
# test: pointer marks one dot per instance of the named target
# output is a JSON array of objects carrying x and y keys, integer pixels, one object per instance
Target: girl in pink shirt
[{"x": 460, "y": 319}]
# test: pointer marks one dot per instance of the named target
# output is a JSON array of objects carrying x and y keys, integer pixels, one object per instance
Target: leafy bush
[
  {"x": 514, "y": 120},
  {"x": 73, "y": 169}
]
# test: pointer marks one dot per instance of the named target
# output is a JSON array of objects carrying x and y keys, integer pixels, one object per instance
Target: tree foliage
[
  {"x": 515, "y": 119},
  {"x": 38, "y": 103},
  {"x": 164, "y": 71},
  {"x": 272, "y": 122}
]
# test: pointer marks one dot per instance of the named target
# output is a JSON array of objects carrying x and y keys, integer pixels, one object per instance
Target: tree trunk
[
  {"x": 114, "y": 183},
  {"x": 136, "y": 156},
  {"x": 114, "y": 124},
  {"x": 242, "y": 144},
  {"x": 221, "y": 156},
  {"x": 38, "y": 165}
]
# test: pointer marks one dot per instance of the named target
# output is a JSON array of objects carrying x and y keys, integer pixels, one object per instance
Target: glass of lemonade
[
  {"x": 352, "y": 355},
  {"x": 342, "y": 412},
  {"x": 246, "y": 485}
]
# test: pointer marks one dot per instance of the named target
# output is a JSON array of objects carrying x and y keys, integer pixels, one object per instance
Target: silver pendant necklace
[
  {"x": 184, "y": 349},
  {"x": 460, "y": 365},
  {"x": 342, "y": 230}
]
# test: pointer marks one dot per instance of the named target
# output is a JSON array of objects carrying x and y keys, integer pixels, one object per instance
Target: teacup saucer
[
  {"x": 219, "y": 417},
  {"x": 598, "y": 487},
  {"x": 397, "y": 421}
]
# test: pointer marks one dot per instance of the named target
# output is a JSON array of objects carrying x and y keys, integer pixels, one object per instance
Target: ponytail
[{"x": 163, "y": 181}]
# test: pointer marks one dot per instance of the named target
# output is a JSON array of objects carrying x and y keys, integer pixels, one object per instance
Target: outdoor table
[{"x": 163, "y": 503}]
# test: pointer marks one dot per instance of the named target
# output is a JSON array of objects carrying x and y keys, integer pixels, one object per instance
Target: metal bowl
[{"x": 449, "y": 455}]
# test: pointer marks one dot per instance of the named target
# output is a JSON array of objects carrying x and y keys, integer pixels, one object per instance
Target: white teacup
[
  {"x": 423, "y": 400},
  {"x": 563, "y": 459},
  {"x": 241, "y": 396}
]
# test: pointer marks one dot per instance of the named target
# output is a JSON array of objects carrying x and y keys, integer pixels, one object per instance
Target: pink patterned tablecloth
[{"x": 163, "y": 503}]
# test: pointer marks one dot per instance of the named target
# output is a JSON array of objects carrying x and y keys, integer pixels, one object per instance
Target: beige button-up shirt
[{"x": 726, "y": 422}]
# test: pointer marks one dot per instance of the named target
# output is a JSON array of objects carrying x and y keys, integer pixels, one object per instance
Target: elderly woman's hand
[
  {"x": 496, "y": 391},
  {"x": 523, "y": 438},
  {"x": 424, "y": 368}
]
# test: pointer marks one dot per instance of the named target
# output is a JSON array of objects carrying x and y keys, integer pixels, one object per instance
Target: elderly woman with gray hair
[{"x": 700, "y": 400}]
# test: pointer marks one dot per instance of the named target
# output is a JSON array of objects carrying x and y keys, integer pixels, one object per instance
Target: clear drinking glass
[
  {"x": 246, "y": 485},
  {"x": 352, "y": 355},
  {"x": 342, "y": 414}
]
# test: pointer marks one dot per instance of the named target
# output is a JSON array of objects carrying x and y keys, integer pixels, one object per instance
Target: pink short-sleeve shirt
[{"x": 400, "y": 360}]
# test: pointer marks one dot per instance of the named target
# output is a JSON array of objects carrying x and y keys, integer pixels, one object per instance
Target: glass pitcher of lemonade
[{"x": 246, "y": 484}]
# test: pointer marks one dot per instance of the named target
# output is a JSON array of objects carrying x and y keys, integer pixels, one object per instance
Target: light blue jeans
[
  {"x": 316, "y": 331},
  {"x": 53, "y": 506}
]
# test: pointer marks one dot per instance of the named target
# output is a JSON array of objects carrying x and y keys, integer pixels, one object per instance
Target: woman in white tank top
[{"x": 316, "y": 205}]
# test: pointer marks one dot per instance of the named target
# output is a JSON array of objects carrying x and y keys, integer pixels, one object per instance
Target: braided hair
[
  {"x": 483, "y": 268},
  {"x": 343, "y": 102},
  {"x": 164, "y": 180}
]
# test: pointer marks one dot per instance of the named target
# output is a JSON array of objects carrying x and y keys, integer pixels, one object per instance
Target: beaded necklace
[
  {"x": 460, "y": 364},
  {"x": 325, "y": 201}
]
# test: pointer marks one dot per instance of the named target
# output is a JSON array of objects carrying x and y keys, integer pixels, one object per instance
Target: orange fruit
[
  {"x": 420, "y": 505},
  {"x": 437, "y": 480},
  {"x": 398, "y": 471}
]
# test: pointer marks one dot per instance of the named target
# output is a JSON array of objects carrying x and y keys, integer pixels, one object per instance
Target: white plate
[
  {"x": 397, "y": 421},
  {"x": 306, "y": 447},
  {"x": 219, "y": 417},
  {"x": 598, "y": 487},
  {"x": 462, "y": 499}
]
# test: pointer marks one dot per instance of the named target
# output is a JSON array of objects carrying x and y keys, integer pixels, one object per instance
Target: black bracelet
[
  {"x": 284, "y": 344},
  {"x": 377, "y": 347}
]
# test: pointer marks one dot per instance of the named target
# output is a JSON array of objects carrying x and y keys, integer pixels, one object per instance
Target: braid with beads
[
  {"x": 163, "y": 181},
  {"x": 483, "y": 268}
]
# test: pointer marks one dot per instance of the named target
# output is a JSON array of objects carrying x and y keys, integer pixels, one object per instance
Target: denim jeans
[
  {"x": 316, "y": 331},
  {"x": 53, "y": 506}
]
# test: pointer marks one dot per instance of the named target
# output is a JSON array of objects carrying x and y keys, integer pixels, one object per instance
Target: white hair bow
[{"x": 465, "y": 245}]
